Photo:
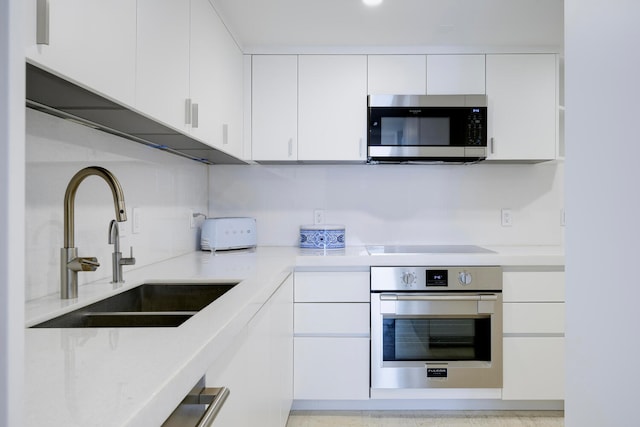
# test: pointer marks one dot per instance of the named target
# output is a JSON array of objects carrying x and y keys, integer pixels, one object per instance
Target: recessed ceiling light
[{"x": 372, "y": 2}]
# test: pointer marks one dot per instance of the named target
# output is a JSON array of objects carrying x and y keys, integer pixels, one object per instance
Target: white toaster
[{"x": 228, "y": 233}]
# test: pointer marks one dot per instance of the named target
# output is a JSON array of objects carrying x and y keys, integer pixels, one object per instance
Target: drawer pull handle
[{"x": 212, "y": 396}]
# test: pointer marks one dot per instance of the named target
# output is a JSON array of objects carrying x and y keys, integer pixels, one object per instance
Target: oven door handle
[{"x": 396, "y": 297}]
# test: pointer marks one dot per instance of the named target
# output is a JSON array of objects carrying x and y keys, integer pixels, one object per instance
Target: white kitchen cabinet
[
  {"x": 230, "y": 371},
  {"x": 162, "y": 71},
  {"x": 522, "y": 104},
  {"x": 91, "y": 42},
  {"x": 332, "y": 107},
  {"x": 331, "y": 368},
  {"x": 274, "y": 107},
  {"x": 216, "y": 81},
  {"x": 533, "y": 368},
  {"x": 332, "y": 286},
  {"x": 331, "y": 335},
  {"x": 426, "y": 74},
  {"x": 397, "y": 74},
  {"x": 533, "y": 328},
  {"x": 257, "y": 367},
  {"x": 455, "y": 75},
  {"x": 282, "y": 350}
]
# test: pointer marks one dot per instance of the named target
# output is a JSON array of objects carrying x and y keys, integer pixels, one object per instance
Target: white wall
[
  {"x": 11, "y": 214},
  {"x": 162, "y": 185},
  {"x": 396, "y": 203},
  {"x": 603, "y": 206}
]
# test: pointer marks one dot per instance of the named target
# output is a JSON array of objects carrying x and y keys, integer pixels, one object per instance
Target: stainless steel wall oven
[{"x": 436, "y": 327}]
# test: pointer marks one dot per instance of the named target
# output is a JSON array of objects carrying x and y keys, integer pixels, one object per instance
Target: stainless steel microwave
[{"x": 427, "y": 128}]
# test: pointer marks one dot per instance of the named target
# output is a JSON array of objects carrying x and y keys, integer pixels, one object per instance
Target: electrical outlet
[
  {"x": 318, "y": 216},
  {"x": 137, "y": 220},
  {"x": 506, "y": 217}
]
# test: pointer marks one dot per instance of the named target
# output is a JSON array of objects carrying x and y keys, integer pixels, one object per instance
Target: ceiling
[{"x": 274, "y": 26}]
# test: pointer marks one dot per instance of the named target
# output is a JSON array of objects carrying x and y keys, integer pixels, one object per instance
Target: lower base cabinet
[
  {"x": 331, "y": 335},
  {"x": 331, "y": 368},
  {"x": 257, "y": 367},
  {"x": 533, "y": 346},
  {"x": 533, "y": 368}
]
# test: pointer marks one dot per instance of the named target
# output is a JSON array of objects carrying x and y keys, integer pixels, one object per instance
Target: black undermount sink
[{"x": 147, "y": 305}]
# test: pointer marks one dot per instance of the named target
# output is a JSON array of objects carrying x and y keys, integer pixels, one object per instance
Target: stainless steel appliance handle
[
  {"x": 396, "y": 297},
  {"x": 214, "y": 397}
]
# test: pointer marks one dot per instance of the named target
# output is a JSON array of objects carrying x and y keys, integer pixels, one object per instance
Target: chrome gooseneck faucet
[
  {"x": 117, "y": 260},
  {"x": 70, "y": 263}
]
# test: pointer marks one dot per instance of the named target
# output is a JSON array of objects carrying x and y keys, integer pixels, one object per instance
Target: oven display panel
[{"x": 437, "y": 278}]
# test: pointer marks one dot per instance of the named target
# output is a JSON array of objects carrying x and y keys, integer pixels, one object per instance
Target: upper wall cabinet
[
  {"x": 162, "y": 72},
  {"x": 426, "y": 74},
  {"x": 397, "y": 74},
  {"x": 309, "y": 107},
  {"x": 522, "y": 109},
  {"x": 274, "y": 101},
  {"x": 90, "y": 42},
  {"x": 332, "y": 107},
  {"x": 216, "y": 81},
  {"x": 455, "y": 74}
]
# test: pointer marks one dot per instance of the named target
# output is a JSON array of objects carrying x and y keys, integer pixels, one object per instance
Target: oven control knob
[
  {"x": 408, "y": 278},
  {"x": 465, "y": 278}
]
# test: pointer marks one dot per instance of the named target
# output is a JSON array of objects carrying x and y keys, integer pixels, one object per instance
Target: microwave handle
[{"x": 492, "y": 145}]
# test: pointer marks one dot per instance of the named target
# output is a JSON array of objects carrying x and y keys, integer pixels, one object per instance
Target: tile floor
[{"x": 426, "y": 418}]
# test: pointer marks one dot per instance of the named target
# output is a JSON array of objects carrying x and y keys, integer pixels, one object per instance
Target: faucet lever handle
[
  {"x": 128, "y": 261},
  {"x": 84, "y": 264}
]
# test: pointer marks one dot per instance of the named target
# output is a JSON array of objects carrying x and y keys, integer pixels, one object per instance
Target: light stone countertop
[{"x": 137, "y": 376}]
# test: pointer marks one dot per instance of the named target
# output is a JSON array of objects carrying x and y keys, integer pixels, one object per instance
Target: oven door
[{"x": 436, "y": 340}]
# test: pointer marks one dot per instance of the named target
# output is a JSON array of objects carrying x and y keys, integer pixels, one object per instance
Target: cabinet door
[
  {"x": 455, "y": 75},
  {"x": 397, "y": 74},
  {"x": 332, "y": 319},
  {"x": 274, "y": 111},
  {"x": 533, "y": 318},
  {"x": 270, "y": 365},
  {"x": 230, "y": 370},
  {"x": 216, "y": 80},
  {"x": 332, "y": 286},
  {"x": 332, "y": 107},
  {"x": 162, "y": 71},
  {"x": 282, "y": 348},
  {"x": 533, "y": 368},
  {"x": 521, "y": 92},
  {"x": 331, "y": 368},
  {"x": 533, "y": 286},
  {"x": 91, "y": 42}
]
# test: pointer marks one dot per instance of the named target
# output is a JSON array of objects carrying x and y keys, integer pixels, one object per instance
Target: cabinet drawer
[
  {"x": 538, "y": 286},
  {"x": 331, "y": 368},
  {"x": 533, "y": 368},
  {"x": 331, "y": 319},
  {"x": 533, "y": 318},
  {"x": 332, "y": 287}
]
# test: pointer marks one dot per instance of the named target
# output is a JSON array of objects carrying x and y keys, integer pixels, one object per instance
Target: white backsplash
[
  {"x": 163, "y": 186},
  {"x": 382, "y": 204},
  {"x": 401, "y": 204}
]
